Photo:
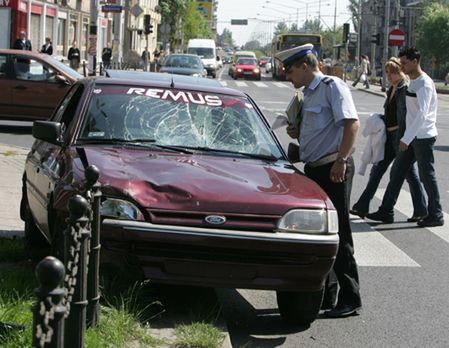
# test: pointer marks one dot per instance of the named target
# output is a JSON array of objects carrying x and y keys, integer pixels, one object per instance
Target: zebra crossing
[{"x": 373, "y": 249}]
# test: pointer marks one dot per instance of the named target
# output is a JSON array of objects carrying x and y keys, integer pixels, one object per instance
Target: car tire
[
  {"x": 33, "y": 236},
  {"x": 299, "y": 307}
]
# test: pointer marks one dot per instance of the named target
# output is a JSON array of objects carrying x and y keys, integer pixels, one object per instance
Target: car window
[
  {"x": 66, "y": 110},
  {"x": 33, "y": 70},
  {"x": 246, "y": 61},
  {"x": 3, "y": 66},
  {"x": 177, "y": 117}
]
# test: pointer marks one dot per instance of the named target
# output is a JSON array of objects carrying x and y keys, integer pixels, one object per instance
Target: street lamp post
[{"x": 385, "y": 55}]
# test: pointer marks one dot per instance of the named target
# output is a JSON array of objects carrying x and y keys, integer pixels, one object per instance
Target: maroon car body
[
  {"x": 32, "y": 84},
  {"x": 200, "y": 215}
]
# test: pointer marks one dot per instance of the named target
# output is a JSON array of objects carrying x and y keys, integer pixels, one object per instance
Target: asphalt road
[{"x": 403, "y": 269}]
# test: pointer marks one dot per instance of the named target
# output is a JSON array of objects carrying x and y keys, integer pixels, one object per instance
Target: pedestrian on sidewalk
[
  {"x": 22, "y": 43},
  {"x": 74, "y": 56},
  {"x": 47, "y": 48},
  {"x": 362, "y": 73},
  {"x": 106, "y": 56},
  {"x": 394, "y": 123},
  {"x": 416, "y": 144},
  {"x": 326, "y": 134}
]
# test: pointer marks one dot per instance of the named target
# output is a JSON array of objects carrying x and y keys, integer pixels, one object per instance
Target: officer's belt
[{"x": 324, "y": 160}]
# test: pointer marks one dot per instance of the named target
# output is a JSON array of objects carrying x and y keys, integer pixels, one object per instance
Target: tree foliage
[
  {"x": 433, "y": 32},
  {"x": 184, "y": 19},
  {"x": 281, "y": 28},
  {"x": 252, "y": 45},
  {"x": 312, "y": 26},
  {"x": 225, "y": 38}
]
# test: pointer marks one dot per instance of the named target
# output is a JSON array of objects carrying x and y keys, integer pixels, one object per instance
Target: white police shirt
[{"x": 327, "y": 104}]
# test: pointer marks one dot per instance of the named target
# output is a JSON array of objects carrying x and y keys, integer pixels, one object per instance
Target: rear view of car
[{"x": 183, "y": 64}]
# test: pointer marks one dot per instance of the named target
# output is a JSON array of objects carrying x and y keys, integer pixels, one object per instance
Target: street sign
[
  {"x": 112, "y": 8},
  {"x": 136, "y": 10},
  {"x": 353, "y": 37},
  {"x": 396, "y": 37},
  {"x": 239, "y": 22}
]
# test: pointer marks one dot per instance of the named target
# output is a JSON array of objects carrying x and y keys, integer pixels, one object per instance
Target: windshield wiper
[
  {"x": 231, "y": 152},
  {"x": 135, "y": 142}
]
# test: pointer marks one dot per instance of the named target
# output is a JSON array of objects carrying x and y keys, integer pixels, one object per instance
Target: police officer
[{"x": 326, "y": 133}]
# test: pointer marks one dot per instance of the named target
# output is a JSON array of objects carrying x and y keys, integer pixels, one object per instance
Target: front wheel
[{"x": 299, "y": 307}]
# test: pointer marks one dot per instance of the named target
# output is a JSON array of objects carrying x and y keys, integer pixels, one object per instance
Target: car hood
[{"x": 162, "y": 180}]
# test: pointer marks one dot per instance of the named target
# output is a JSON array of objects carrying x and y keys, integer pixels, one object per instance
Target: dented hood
[{"x": 199, "y": 182}]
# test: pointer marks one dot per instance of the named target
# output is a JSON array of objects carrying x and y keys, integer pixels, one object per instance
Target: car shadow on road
[{"x": 16, "y": 129}]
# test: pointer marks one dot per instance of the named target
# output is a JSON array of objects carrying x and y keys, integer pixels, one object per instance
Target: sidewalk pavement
[{"x": 12, "y": 160}]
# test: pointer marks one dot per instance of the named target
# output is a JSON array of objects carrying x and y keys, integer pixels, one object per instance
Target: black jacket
[
  {"x": 74, "y": 53},
  {"x": 20, "y": 45},
  {"x": 48, "y": 50}
]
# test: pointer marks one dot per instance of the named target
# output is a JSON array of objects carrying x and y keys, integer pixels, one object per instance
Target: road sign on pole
[{"x": 396, "y": 37}]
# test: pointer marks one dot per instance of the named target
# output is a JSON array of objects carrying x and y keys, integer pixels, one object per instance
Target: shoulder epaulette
[{"x": 327, "y": 80}]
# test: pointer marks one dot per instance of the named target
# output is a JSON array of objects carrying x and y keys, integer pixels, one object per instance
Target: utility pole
[
  {"x": 334, "y": 39},
  {"x": 387, "y": 30},
  {"x": 359, "y": 30},
  {"x": 117, "y": 47},
  {"x": 93, "y": 29}
]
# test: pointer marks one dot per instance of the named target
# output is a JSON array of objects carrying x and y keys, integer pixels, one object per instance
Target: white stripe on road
[
  {"x": 374, "y": 250},
  {"x": 260, "y": 84},
  {"x": 281, "y": 85},
  {"x": 241, "y": 84},
  {"x": 405, "y": 206}
]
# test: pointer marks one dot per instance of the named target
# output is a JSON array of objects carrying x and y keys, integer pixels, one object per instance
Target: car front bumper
[{"x": 222, "y": 258}]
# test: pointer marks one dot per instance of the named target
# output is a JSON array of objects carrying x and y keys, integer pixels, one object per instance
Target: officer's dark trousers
[{"x": 345, "y": 267}]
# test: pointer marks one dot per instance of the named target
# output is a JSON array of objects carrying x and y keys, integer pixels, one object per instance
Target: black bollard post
[
  {"x": 101, "y": 69},
  {"x": 48, "y": 312},
  {"x": 76, "y": 279},
  {"x": 93, "y": 287},
  {"x": 84, "y": 69}
]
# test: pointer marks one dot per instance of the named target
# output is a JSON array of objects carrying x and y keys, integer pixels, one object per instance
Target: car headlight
[
  {"x": 120, "y": 209},
  {"x": 239, "y": 70},
  {"x": 196, "y": 75},
  {"x": 309, "y": 221},
  {"x": 256, "y": 70}
]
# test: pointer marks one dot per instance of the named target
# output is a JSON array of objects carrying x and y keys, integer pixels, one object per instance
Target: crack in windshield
[{"x": 177, "y": 120}]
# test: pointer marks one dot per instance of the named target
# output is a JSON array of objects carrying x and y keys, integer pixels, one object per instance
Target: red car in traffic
[{"x": 246, "y": 68}]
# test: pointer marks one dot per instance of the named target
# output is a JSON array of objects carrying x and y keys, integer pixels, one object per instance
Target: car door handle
[{"x": 20, "y": 87}]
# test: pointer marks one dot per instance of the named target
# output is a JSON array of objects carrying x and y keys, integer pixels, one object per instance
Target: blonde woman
[{"x": 394, "y": 118}]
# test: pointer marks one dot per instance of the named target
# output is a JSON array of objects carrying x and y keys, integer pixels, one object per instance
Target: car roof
[
  {"x": 182, "y": 55},
  {"x": 24, "y": 52},
  {"x": 168, "y": 78},
  {"x": 161, "y": 80}
]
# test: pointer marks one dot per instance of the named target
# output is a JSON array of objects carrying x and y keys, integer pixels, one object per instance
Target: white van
[{"x": 205, "y": 49}]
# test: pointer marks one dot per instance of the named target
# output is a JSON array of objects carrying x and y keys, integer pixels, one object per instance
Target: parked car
[
  {"x": 263, "y": 60},
  {"x": 183, "y": 64},
  {"x": 32, "y": 84},
  {"x": 246, "y": 68},
  {"x": 227, "y": 59},
  {"x": 196, "y": 189}
]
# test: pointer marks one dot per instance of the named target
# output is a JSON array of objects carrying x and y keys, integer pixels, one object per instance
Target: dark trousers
[
  {"x": 421, "y": 151},
  {"x": 345, "y": 266},
  {"x": 379, "y": 169}
]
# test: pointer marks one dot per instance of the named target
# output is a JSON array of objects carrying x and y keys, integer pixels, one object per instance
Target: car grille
[{"x": 246, "y": 222}]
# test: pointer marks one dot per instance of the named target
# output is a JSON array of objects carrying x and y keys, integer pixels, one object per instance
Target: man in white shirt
[{"x": 420, "y": 136}]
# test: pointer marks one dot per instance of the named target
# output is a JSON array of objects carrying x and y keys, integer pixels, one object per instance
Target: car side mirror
[{"x": 47, "y": 131}]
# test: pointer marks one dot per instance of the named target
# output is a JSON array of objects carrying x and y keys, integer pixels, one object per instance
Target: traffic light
[
  {"x": 375, "y": 38},
  {"x": 345, "y": 32},
  {"x": 147, "y": 26}
]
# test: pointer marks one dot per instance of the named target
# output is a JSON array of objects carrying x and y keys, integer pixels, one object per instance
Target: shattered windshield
[{"x": 170, "y": 117}]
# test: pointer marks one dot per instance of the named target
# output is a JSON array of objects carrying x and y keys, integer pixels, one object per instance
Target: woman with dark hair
[
  {"x": 47, "y": 48},
  {"x": 394, "y": 118}
]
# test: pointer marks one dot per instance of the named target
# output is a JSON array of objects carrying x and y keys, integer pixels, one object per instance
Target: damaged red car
[{"x": 196, "y": 189}]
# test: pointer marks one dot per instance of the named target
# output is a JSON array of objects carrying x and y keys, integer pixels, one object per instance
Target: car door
[
  {"x": 36, "y": 91},
  {"x": 47, "y": 163},
  {"x": 5, "y": 87}
]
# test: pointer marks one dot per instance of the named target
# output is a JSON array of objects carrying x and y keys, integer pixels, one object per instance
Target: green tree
[
  {"x": 194, "y": 25},
  {"x": 312, "y": 26},
  {"x": 294, "y": 27},
  {"x": 328, "y": 41},
  {"x": 225, "y": 38},
  {"x": 281, "y": 28},
  {"x": 252, "y": 45},
  {"x": 433, "y": 33}
]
